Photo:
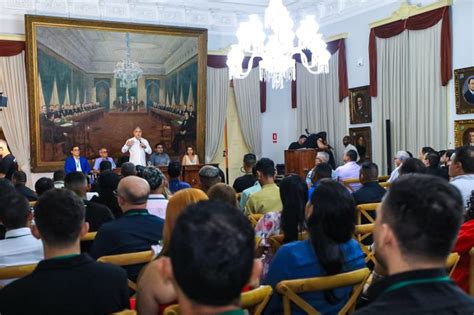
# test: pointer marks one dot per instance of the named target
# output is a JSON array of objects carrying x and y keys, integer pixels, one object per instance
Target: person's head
[
  {"x": 15, "y": 211},
  {"x": 108, "y": 183},
  {"x": 417, "y": 223},
  {"x": 105, "y": 166},
  {"x": 206, "y": 272},
  {"x": 302, "y": 139},
  {"x": 174, "y": 169},
  {"x": 159, "y": 148},
  {"x": 471, "y": 136},
  {"x": 104, "y": 153},
  {"x": 154, "y": 177},
  {"x": 359, "y": 101},
  {"x": 249, "y": 161},
  {"x": 186, "y": 115},
  {"x": 321, "y": 157},
  {"x": 59, "y": 175},
  {"x": 369, "y": 172},
  {"x": 137, "y": 132},
  {"x": 470, "y": 84},
  {"x": 176, "y": 205},
  {"x": 350, "y": 156},
  {"x": 189, "y": 151},
  {"x": 412, "y": 166},
  {"x": 4, "y": 148},
  {"x": 400, "y": 157},
  {"x": 346, "y": 141},
  {"x": 19, "y": 178},
  {"x": 431, "y": 160},
  {"x": 76, "y": 182},
  {"x": 448, "y": 155},
  {"x": 423, "y": 152},
  {"x": 265, "y": 171},
  {"x": 128, "y": 169},
  {"x": 224, "y": 193},
  {"x": 462, "y": 161},
  {"x": 132, "y": 193},
  {"x": 6, "y": 187},
  {"x": 321, "y": 171},
  {"x": 43, "y": 184},
  {"x": 59, "y": 219},
  {"x": 209, "y": 176},
  {"x": 75, "y": 151},
  {"x": 294, "y": 196},
  {"x": 442, "y": 157}
]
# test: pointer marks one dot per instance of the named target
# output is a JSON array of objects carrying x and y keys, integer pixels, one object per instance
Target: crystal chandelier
[
  {"x": 127, "y": 70},
  {"x": 277, "y": 50}
]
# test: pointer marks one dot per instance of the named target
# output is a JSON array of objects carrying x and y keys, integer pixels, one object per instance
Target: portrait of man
[
  {"x": 469, "y": 94},
  {"x": 360, "y": 105},
  {"x": 464, "y": 132},
  {"x": 464, "y": 90},
  {"x": 468, "y": 137}
]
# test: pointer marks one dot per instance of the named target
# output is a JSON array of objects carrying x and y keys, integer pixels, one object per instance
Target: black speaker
[{"x": 388, "y": 141}]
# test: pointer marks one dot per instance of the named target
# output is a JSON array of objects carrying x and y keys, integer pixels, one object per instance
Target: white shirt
[
  {"x": 351, "y": 147},
  {"x": 394, "y": 174},
  {"x": 137, "y": 153},
  {"x": 157, "y": 204},
  {"x": 349, "y": 170},
  {"x": 465, "y": 184},
  {"x": 19, "y": 247},
  {"x": 78, "y": 164}
]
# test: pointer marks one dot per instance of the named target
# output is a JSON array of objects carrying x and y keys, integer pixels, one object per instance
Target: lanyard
[
  {"x": 132, "y": 213},
  {"x": 403, "y": 284}
]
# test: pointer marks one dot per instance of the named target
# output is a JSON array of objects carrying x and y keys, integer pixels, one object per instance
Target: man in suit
[
  {"x": 371, "y": 191},
  {"x": 76, "y": 163},
  {"x": 186, "y": 131},
  {"x": 469, "y": 95}
]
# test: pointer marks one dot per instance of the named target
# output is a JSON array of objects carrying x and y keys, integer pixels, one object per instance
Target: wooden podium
[
  {"x": 190, "y": 174},
  {"x": 299, "y": 161}
]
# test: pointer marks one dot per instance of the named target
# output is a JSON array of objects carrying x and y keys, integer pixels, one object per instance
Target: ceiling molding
[{"x": 336, "y": 37}]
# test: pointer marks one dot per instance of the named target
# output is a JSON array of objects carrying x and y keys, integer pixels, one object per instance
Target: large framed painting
[
  {"x": 362, "y": 139},
  {"x": 464, "y": 90},
  {"x": 360, "y": 105},
  {"x": 90, "y": 83},
  {"x": 464, "y": 132}
]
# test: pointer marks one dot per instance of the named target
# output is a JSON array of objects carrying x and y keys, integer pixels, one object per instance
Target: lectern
[{"x": 299, "y": 161}]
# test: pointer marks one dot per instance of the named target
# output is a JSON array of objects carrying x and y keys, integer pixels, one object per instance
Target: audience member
[
  {"x": 66, "y": 282},
  {"x": 153, "y": 290},
  {"x": 248, "y": 180},
  {"x": 43, "y": 184},
  {"x": 19, "y": 180},
  {"x": 414, "y": 232},
  {"x": 298, "y": 144},
  {"x": 76, "y": 163},
  {"x": 321, "y": 171},
  {"x": 96, "y": 213},
  {"x": 431, "y": 162},
  {"x": 399, "y": 158},
  {"x": 6, "y": 188},
  {"x": 321, "y": 157},
  {"x": 424, "y": 151},
  {"x": 412, "y": 166},
  {"x": 103, "y": 156},
  {"x": 268, "y": 198},
  {"x": 159, "y": 158},
  {"x": 106, "y": 185},
  {"x": 247, "y": 192},
  {"x": 128, "y": 169},
  {"x": 461, "y": 171},
  {"x": 174, "y": 171},
  {"x": 135, "y": 231},
  {"x": 105, "y": 166},
  {"x": 58, "y": 177},
  {"x": 157, "y": 202},
  {"x": 224, "y": 193},
  {"x": 371, "y": 191},
  {"x": 208, "y": 176},
  {"x": 328, "y": 251},
  {"x": 349, "y": 170},
  {"x": 348, "y": 146},
  {"x": 7, "y": 162},
  {"x": 19, "y": 246}
]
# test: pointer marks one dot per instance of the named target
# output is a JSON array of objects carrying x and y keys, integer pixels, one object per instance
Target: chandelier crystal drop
[
  {"x": 127, "y": 70},
  {"x": 277, "y": 49}
]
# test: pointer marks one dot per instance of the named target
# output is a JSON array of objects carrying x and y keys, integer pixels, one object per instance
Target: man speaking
[{"x": 137, "y": 146}]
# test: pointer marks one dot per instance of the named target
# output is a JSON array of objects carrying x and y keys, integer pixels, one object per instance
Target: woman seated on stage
[{"x": 190, "y": 158}]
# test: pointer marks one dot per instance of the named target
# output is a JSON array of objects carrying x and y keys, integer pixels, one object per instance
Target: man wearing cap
[
  {"x": 399, "y": 158},
  {"x": 208, "y": 176}
]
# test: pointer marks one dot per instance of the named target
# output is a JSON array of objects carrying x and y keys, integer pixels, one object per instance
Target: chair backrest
[
  {"x": 88, "y": 237},
  {"x": 452, "y": 262},
  {"x": 277, "y": 240},
  {"x": 291, "y": 288},
  {"x": 253, "y": 218},
  {"x": 127, "y": 260},
  {"x": 13, "y": 272},
  {"x": 362, "y": 232},
  {"x": 349, "y": 181},
  {"x": 125, "y": 312},
  {"x": 366, "y": 210},
  {"x": 254, "y": 301},
  {"x": 383, "y": 178}
]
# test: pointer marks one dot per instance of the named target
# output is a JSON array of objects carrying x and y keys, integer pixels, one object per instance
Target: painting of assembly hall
[{"x": 83, "y": 103}]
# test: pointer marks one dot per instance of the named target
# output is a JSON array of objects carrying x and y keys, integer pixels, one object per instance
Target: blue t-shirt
[
  {"x": 176, "y": 184},
  {"x": 297, "y": 260}
]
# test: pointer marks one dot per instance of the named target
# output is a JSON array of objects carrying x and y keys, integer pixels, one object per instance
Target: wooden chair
[
  {"x": 291, "y": 288},
  {"x": 452, "y": 262},
  {"x": 14, "y": 272},
  {"x": 253, "y": 218},
  {"x": 127, "y": 260},
  {"x": 125, "y": 312},
  {"x": 363, "y": 211},
  {"x": 383, "y": 178},
  {"x": 349, "y": 181},
  {"x": 277, "y": 240},
  {"x": 88, "y": 237},
  {"x": 254, "y": 301},
  {"x": 361, "y": 233}
]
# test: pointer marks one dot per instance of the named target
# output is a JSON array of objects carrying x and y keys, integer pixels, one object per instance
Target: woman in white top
[{"x": 190, "y": 158}]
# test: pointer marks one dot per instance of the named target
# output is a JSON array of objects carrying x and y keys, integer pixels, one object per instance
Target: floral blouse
[{"x": 267, "y": 226}]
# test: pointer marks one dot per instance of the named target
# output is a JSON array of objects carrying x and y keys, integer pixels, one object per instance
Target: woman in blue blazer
[{"x": 76, "y": 163}]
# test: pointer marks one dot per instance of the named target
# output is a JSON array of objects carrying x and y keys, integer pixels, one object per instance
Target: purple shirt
[{"x": 349, "y": 170}]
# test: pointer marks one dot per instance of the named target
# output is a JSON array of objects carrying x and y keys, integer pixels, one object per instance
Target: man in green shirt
[{"x": 268, "y": 199}]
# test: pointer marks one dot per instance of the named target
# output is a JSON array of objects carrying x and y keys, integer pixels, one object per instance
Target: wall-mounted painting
[
  {"x": 92, "y": 82},
  {"x": 464, "y": 90},
  {"x": 464, "y": 132},
  {"x": 360, "y": 105},
  {"x": 362, "y": 139}
]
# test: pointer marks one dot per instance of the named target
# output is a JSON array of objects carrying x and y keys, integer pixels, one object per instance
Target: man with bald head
[{"x": 135, "y": 231}]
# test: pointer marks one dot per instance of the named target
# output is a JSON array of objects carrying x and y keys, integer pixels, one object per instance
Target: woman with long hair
[
  {"x": 190, "y": 158},
  {"x": 330, "y": 249}
]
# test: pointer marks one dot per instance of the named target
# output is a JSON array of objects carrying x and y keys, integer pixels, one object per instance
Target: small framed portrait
[
  {"x": 464, "y": 90},
  {"x": 464, "y": 132},
  {"x": 360, "y": 105},
  {"x": 362, "y": 139}
]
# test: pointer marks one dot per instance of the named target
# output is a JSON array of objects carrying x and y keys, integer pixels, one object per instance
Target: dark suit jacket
[
  {"x": 469, "y": 97},
  {"x": 73, "y": 285},
  {"x": 25, "y": 191},
  {"x": 369, "y": 193}
]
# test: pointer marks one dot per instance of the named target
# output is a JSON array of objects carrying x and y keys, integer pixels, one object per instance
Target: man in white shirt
[
  {"x": 399, "y": 158},
  {"x": 346, "y": 141},
  {"x": 350, "y": 169},
  {"x": 461, "y": 172},
  {"x": 19, "y": 247},
  {"x": 138, "y": 147}
]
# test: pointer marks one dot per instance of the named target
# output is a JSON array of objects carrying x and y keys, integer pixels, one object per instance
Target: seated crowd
[{"x": 210, "y": 245}]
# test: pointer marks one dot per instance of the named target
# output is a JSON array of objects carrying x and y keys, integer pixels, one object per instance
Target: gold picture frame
[
  {"x": 196, "y": 91},
  {"x": 461, "y": 85},
  {"x": 462, "y": 131},
  {"x": 360, "y": 105},
  {"x": 362, "y": 139}
]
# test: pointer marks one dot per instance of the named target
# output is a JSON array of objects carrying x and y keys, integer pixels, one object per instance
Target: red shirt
[{"x": 463, "y": 245}]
